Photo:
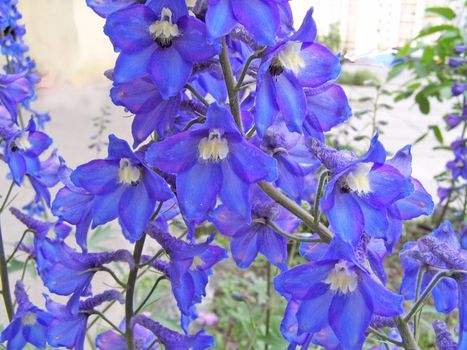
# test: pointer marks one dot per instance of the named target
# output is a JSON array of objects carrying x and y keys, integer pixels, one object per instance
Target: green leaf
[
  {"x": 423, "y": 103},
  {"x": 438, "y": 134},
  {"x": 428, "y": 55},
  {"x": 445, "y": 12},
  {"x": 404, "y": 51},
  {"x": 420, "y": 138},
  {"x": 436, "y": 29},
  {"x": 396, "y": 70}
]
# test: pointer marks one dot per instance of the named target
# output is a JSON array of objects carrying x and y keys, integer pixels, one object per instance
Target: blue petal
[
  {"x": 385, "y": 302},
  {"x": 156, "y": 187},
  {"x": 251, "y": 163},
  {"x": 17, "y": 167},
  {"x": 349, "y": 317},
  {"x": 119, "y": 148},
  {"x": 266, "y": 108},
  {"x": 169, "y": 71},
  {"x": 178, "y": 7},
  {"x": 197, "y": 189},
  {"x": 219, "y": 117},
  {"x": 105, "y": 207},
  {"x": 234, "y": 192},
  {"x": 322, "y": 66},
  {"x": 226, "y": 221},
  {"x": 259, "y": 17},
  {"x": 387, "y": 185},
  {"x": 105, "y": 7},
  {"x": 462, "y": 312},
  {"x": 313, "y": 313},
  {"x": 97, "y": 176},
  {"x": 244, "y": 246},
  {"x": 175, "y": 154},
  {"x": 291, "y": 101},
  {"x": 346, "y": 216},
  {"x": 128, "y": 29},
  {"x": 307, "y": 31},
  {"x": 417, "y": 204},
  {"x": 445, "y": 295},
  {"x": 134, "y": 218},
  {"x": 273, "y": 246},
  {"x": 376, "y": 221},
  {"x": 220, "y": 19},
  {"x": 130, "y": 66},
  {"x": 193, "y": 44}
]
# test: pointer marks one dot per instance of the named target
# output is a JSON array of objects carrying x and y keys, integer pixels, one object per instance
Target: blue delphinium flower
[
  {"x": 14, "y": 88},
  {"x": 152, "y": 112},
  {"x": 160, "y": 39},
  {"x": 458, "y": 166},
  {"x": 124, "y": 187},
  {"x": 335, "y": 291},
  {"x": 445, "y": 292},
  {"x": 188, "y": 270},
  {"x": 173, "y": 340},
  {"x": 69, "y": 329},
  {"x": 23, "y": 149},
  {"x": 361, "y": 190},
  {"x": 212, "y": 160},
  {"x": 285, "y": 70},
  {"x": 249, "y": 239},
  {"x": 294, "y": 160},
  {"x": 261, "y": 18},
  {"x": 29, "y": 324}
]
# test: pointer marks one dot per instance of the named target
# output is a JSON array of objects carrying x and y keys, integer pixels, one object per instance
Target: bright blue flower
[
  {"x": 335, "y": 291},
  {"x": 189, "y": 269},
  {"x": 14, "y": 88},
  {"x": 106, "y": 7},
  {"x": 415, "y": 256},
  {"x": 152, "y": 112},
  {"x": 285, "y": 70},
  {"x": 262, "y": 18},
  {"x": 23, "y": 149},
  {"x": 69, "y": 329},
  {"x": 159, "y": 39},
  {"x": 249, "y": 239},
  {"x": 173, "y": 340},
  {"x": 361, "y": 191},
  {"x": 118, "y": 183},
  {"x": 29, "y": 324},
  {"x": 212, "y": 160},
  {"x": 294, "y": 160},
  {"x": 458, "y": 166},
  {"x": 458, "y": 88}
]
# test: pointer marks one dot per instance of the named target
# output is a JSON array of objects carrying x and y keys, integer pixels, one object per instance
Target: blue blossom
[
  {"x": 294, "y": 160},
  {"x": 335, "y": 291},
  {"x": 159, "y": 39},
  {"x": 14, "y": 88},
  {"x": 69, "y": 329},
  {"x": 212, "y": 160},
  {"x": 142, "y": 338},
  {"x": 361, "y": 191},
  {"x": 118, "y": 182},
  {"x": 173, "y": 340},
  {"x": 29, "y": 324},
  {"x": 285, "y": 69},
  {"x": 249, "y": 239}
]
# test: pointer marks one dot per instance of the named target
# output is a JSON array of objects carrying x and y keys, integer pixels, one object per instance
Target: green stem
[
  {"x": 101, "y": 315},
  {"x": 319, "y": 191},
  {"x": 111, "y": 273},
  {"x": 325, "y": 234},
  {"x": 5, "y": 281},
  {"x": 197, "y": 94},
  {"x": 421, "y": 271},
  {"x": 255, "y": 55},
  {"x": 268, "y": 310},
  {"x": 289, "y": 236},
  {"x": 408, "y": 341},
  {"x": 137, "y": 252},
  {"x": 384, "y": 337},
  {"x": 18, "y": 245},
  {"x": 230, "y": 84},
  {"x": 153, "y": 289},
  {"x": 5, "y": 200}
]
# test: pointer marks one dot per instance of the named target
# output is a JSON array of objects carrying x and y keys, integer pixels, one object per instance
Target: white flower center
[
  {"x": 163, "y": 31},
  {"x": 213, "y": 147},
  {"x": 128, "y": 174},
  {"x": 291, "y": 58},
  {"x": 358, "y": 179},
  {"x": 29, "y": 319},
  {"x": 22, "y": 142},
  {"x": 342, "y": 279}
]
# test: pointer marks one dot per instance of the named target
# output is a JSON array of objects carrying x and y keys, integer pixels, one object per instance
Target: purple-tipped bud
[
  {"x": 241, "y": 34},
  {"x": 455, "y": 62},
  {"x": 162, "y": 266},
  {"x": 99, "y": 259},
  {"x": 437, "y": 253},
  {"x": 331, "y": 158},
  {"x": 109, "y": 295},
  {"x": 37, "y": 226},
  {"x": 382, "y": 322},
  {"x": 460, "y": 49},
  {"x": 22, "y": 297},
  {"x": 458, "y": 88},
  {"x": 444, "y": 338}
]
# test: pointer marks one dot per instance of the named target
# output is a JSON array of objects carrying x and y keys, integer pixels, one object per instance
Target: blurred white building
[{"x": 368, "y": 25}]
